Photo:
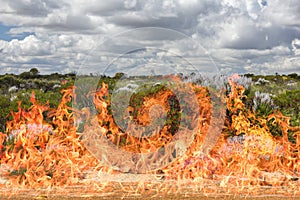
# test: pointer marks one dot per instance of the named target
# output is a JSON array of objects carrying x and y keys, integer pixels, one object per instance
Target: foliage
[
  {"x": 283, "y": 91},
  {"x": 289, "y": 103},
  {"x": 15, "y": 88}
]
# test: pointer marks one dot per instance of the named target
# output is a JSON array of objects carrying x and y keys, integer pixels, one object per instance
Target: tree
[
  {"x": 249, "y": 75},
  {"x": 293, "y": 76},
  {"x": 119, "y": 75},
  {"x": 34, "y": 71}
]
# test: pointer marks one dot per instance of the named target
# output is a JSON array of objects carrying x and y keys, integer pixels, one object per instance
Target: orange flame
[{"x": 44, "y": 152}]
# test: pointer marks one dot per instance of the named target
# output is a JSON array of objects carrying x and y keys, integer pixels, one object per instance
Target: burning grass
[{"x": 42, "y": 149}]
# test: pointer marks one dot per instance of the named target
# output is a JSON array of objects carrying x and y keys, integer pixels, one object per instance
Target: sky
[{"x": 142, "y": 36}]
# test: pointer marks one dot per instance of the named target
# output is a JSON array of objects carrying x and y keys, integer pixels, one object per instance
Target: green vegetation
[
  {"x": 275, "y": 92},
  {"x": 18, "y": 88},
  {"x": 265, "y": 94},
  {"x": 284, "y": 93}
]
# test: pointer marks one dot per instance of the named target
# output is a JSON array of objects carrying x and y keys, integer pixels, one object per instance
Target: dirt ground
[
  {"x": 153, "y": 196},
  {"x": 153, "y": 191},
  {"x": 175, "y": 197}
]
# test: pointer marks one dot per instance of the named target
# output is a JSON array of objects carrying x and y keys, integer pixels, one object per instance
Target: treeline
[
  {"x": 276, "y": 77},
  {"x": 32, "y": 80}
]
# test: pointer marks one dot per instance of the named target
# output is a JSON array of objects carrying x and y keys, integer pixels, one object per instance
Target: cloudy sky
[{"x": 232, "y": 36}]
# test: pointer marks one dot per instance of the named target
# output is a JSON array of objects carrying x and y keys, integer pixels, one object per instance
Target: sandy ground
[
  {"x": 119, "y": 195},
  {"x": 165, "y": 197},
  {"x": 154, "y": 190}
]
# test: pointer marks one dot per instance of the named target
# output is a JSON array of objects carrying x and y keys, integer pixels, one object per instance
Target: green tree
[{"x": 34, "y": 71}]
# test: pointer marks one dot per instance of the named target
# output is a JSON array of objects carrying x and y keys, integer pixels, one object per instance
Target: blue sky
[
  {"x": 232, "y": 36},
  {"x": 6, "y": 36},
  {"x": 3, "y": 32}
]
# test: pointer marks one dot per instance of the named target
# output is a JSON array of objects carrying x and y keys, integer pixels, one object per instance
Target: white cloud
[
  {"x": 240, "y": 35},
  {"x": 283, "y": 13},
  {"x": 129, "y": 4},
  {"x": 296, "y": 46}
]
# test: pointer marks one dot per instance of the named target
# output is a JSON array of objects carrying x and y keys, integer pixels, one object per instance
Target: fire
[
  {"x": 40, "y": 154},
  {"x": 254, "y": 159},
  {"x": 41, "y": 147},
  {"x": 159, "y": 137}
]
